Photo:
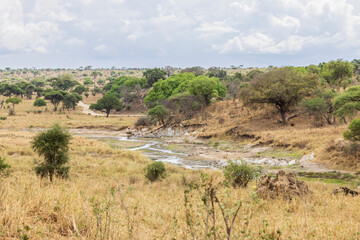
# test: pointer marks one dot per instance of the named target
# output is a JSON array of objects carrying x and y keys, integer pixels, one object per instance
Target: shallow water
[{"x": 155, "y": 150}]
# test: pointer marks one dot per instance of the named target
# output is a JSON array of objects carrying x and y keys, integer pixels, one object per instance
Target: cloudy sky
[{"x": 150, "y": 33}]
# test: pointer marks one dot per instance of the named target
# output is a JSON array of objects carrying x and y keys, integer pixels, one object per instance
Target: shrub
[
  {"x": 143, "y": 122},
  {"x": 3, "y": 118},
  {"x": 155, "y": 171},
  {"x": 239, "y": 175},
  {"x": 39, "y": 102},
  {"x": 4, "y": 168},
  {"x": 11, "y": 112},
  {"x": 353, "y": 132},
  {"x": 53, "y": 145},
  {"x": 160, "y": 113}
]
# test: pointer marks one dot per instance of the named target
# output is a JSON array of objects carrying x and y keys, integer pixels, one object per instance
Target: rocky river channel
[{"x": 193, "y": 153}]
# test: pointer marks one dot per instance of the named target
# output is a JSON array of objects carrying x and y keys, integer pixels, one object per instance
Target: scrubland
[
  {"x": 108, "y": 197},
  {"x": 259, "y": 126}
]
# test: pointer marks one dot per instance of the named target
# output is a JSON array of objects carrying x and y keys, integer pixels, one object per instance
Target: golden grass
[
  {"x": 77, "y": 207},
  {"x": 25, "y": 117},
  {"x": 261, "y": 123}
]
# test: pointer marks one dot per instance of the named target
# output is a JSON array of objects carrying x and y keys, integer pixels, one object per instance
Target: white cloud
[
  {"x": 52, "y": 10},
  {"x": 179, "y": 28},
  {"x": 75, "y": 42},
  {"x": 245, "y": 6},
  {"x": 215, "y": 28},
  {"x": 286, "y": 22},
  {"x": 16, "y": 34},
  {"x": 117, "y": 1},
  {"x": 100, "y": 47}
]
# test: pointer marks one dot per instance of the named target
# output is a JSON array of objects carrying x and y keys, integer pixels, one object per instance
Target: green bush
[
  {"x": 39, "y": 102},
  {"x": 4, "y": 167},
  {"x": 239, "y": 175},
  {"x": 53, "y": 146},
  {"x": 353, "y": 132},
  {"x": 155, "y": 171}
]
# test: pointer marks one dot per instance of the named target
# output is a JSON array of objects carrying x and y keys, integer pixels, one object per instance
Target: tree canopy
[
  {"x": 53, "y": 146},
  {"x": 13, "y": 101},
  {"x": 55, "y": 98},
  {"x": 337, "y": 72},
  {"x": 154, "y": 75},
  {"x": 282, "y": 88},
  {"x": 347, "y": 104},
  {"x": 108, "y": 102},
  {"x": 202, "y": 86}
]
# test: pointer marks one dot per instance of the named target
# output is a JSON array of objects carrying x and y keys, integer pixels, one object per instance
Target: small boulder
[{"x": 285, "y": 185}]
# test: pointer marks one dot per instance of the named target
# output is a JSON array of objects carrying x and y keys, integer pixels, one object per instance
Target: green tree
[
  {"x": 55, "y": 98},
  {"x": 154, "y": 75},
  {"x": 80, "y": 89},
  {"x": 253, "y": 73},
  {"x": 347, "y": 104},
  {"x": 353, "y": 132},
  {"x": 53, "y": 146},
  {"x": 206, "y": 88},
  {"x": 71, "y": 100},
  {"x": 108, "y": 102},
  {"x": 13, "y": 101},
  {"x": 9, "y": 90},
  {"x": 283, "y": 88},
  {"x": 39, "y": 102},
  {"x": 321, "y": 106},
  {"x": 29, "y": 91},
  {"x": 160, "y": 113},
  {"x": 197, "y": 70},
  {"x": 39, "y": 91},
  {"x": 165, "y": 88},
  {"x": 65, "y": 82},
  {"x": 216, "y": 72},
  {"x": 337, "y": 73}
]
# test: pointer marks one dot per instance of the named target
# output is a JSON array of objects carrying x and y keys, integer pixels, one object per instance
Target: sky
[{"x": 178, "y": 33}]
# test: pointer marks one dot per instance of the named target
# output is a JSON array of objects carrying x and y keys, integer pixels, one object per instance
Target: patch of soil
[{"x": 285, "y": 185}]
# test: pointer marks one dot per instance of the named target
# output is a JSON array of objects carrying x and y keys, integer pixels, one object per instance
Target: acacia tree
[
  {"x": 55, "y": 98},
  {"x": 71, "y": 100},
  {"x": 108, "y": 102},
  {"x": 65, "y": 82},
  {"x": 206, "y": 88},
  {"x": 321, "y": 107},
  {"x": 154, "y": 75},
  {"x": 160, "y": 113},
  {"x": 13, "y": 101},
  {"x": 283, "y": 88},
  {"x": 347, "y": 104},
  {"x": 337, "y": 72},
  {"x": 53, "y": 146}
]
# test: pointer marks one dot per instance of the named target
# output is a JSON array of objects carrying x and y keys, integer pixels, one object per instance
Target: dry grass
[
  {"x": 77, "y": 207},
  {"x": 25, "y": 117},
  {"x": 260, "y": 126}
]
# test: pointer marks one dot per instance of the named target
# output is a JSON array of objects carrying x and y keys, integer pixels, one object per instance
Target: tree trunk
[{"x": 283, "y": 117}]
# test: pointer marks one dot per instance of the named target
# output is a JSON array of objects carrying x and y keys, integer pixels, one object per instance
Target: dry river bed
[{"x": 193, "y": 153}]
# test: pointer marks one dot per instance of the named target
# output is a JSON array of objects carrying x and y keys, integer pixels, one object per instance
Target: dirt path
[{"x": 86, "y": 110}]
